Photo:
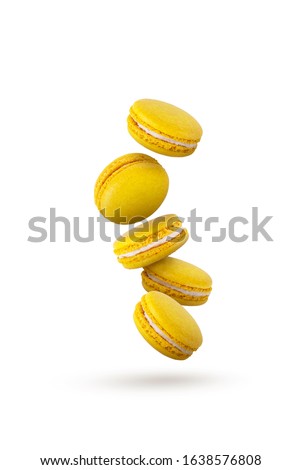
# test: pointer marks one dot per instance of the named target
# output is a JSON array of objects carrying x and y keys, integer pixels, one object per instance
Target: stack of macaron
[{"x": 129, "y": 190}]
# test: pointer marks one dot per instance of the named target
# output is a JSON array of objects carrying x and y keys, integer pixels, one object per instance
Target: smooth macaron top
[
  {"x": 166, "y": 119},
  {"x": 180, "y": 273},
  {"x": 172, "y": 319},
  {"x": 131, "y": 188}
]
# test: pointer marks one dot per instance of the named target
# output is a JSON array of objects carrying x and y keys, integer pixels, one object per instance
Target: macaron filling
[
  {"x": 151, "y": 245},
  {"x": 164, "y": 138},
  {"x": 178, "y": 289},
  {"x": 189, "y": 352}
]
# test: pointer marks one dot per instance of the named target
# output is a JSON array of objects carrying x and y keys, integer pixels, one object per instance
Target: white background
[{"x": 77, "y": 378}]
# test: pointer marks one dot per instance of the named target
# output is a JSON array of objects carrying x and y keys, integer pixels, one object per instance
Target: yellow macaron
[
  {"x": 163, "y": 128},
  {"x": 131, "y": 188},
  {"x": 150, "y": 241},
  {"x": 182, "y": 281},
  {"x": 167, "y": 326}
]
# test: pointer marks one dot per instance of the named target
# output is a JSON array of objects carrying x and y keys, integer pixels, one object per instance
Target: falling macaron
[
  {"x": 150, "y": 241},
  {"x": 131, "y": 188},
  {"x": 163, "y": 128},
  {"x": 167, "y": 326},
  {"x": 182, "y": 281}
]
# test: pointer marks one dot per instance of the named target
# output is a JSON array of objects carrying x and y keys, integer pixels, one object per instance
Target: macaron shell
[
  {"x": 184, "y": 299},
  {"x": 173, "y": 319},
  {"x": 131, "y": 188},
  {"x": 155, "y": 254}
]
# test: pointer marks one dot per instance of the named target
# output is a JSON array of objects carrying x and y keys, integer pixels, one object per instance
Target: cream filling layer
[
  {"x": 165, "y": 337},
  {"x": 170, "y": 286},
  {"x": 151, "y": 245},
  {"x": 165, "y": 139}
]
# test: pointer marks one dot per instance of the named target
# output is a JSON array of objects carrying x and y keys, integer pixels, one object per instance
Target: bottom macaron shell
[
  {"x": 183, "y": 299},
  {"x": 156, "y": 145},
  {"x": 155, "y": 254},
  {"x": 153, "y": 338}
]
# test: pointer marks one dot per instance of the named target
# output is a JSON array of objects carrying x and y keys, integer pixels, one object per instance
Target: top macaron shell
[
  {"x": 163, "y": 128},
  {"x": 131, "y": 188}
]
